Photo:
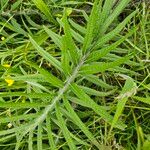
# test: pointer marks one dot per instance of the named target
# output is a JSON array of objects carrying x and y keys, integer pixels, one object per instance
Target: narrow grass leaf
[
  {"x": 57, "y": 39},
  {"x": 30, "y": 140},
  {"x": 70, "y": 45},
  {"x": 113, "y": 57},
  {"x": 106, "y": 10},
  {"x": 79, "y": 123},
  {"x": 128, "y": 90},
  {"x": 124, "y": 70},
  {"x": 115, "y": 13},
  {"x": 97, "y": 81},
  {"x": 39, "y": 137},
  {"x": 21, "y": 105},
  {"x": 65, "y": 131},
  {"x": 18, "y": 117},
  {"x": 44, "y": 9},
  {"x": 114, "y": 32},
  {"x": 49, "y": 133},
  {"x": 18, "y": 28},
  {"x": 97, "y": 67},
  {"x": 90, "y": 27},
  {"x": 77, "y": 26},
  {"x": 78, "y": 37},
  {"x": 15, "y": 5},
  {"x": 65, "y": 57},
  {"x": 142, "y": 99},
  {"x": 46, "y": 55},
  {"x": 28, "y": 95},
  {"x": 47, "y": 75},
  {"x": 96, "y": 55},
  {"x": 29, "y": 77},
  {"x": 94, "y": 92},
  {"x": 13, "y": 130},
  {"x": 95, "y": 107},
  {"x": 39, "y": 38}
]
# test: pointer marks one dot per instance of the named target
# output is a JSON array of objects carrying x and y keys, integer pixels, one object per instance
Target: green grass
[{"x": 74, "y": 75}]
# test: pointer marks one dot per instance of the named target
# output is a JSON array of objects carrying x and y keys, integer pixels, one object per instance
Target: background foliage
[{"x": 74, "y": 74}]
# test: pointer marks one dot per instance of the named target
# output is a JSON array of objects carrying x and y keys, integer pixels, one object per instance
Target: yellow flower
[
  {"x": 2, "y": 38},
  {"x": 6, "y": 65},
  {"x": 10, "y": 82}
]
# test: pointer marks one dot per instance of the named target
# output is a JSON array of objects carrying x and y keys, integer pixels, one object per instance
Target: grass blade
[
  {"x": 44, "y": 8},
  {"x": 97, "y": 67},
  {"x": 94, "y": 92},
  {"x": 18, "y": 117},
  {"x": 65, "y": 131},
  {"x": 95, "y": 79},
  {"x": 55, "y": 37},
  {"x": 49, "y": 132},
  {"x": 21, "y": 105},
  {"x": 90, "y": 27},
  {"x": 116, "y": 12},
  {"x": 79, "y": 123},
  {"x": 47, "y": 75},
  {"x": 128, "y": 90},
  {"x": 46, "y": 55},
  {"x": 95, "y": 107},
  {"x": 113, "y": 33},
  {"x": 70, "y": 45},
  {"x": 30, "y": 140},
  {"x": 39, "y": 137},
  {"x": 96, "y": 55},
  {"x": 142, "y": 99}
]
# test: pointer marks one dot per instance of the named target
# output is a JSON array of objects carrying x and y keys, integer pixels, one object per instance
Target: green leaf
[
  {"x": 95, "y": 79},
  {"x": 47, "y": 75},
  {"x": 113, "y": 57},
  {"x": 77, "y": 36},
  {"x": 46, "y": 55},
  {"x": 15, "y": 5},
  {"x": 146, "y": 145},
  {"x": 21, "y": 105},
  {"x": 97, "y": 67},
  {"x": 83, "y": 103},
  {"x": 28, "y": 95},
  {"x": 128, "y": 90},
  {"x": 17, "y": 27},
  {"x": 95, "y": 107},
  {"x": 124, "y": 70},
  {"x": 13, "y": 130},
  {"x": 106, "y": 10},
  {"x": 101, "y": 41},
  {"x": 18, "y": 117},
  {"x": 39, "y": 137},
  {"x": 79, "y": 123},
  {"x": 94, "y": 92},
  {"x": 65, "y": 131},
  {"x": 77, "y": 26},
  {"x": 44, "y": 8},
  {"x": 70, "y": 45},
  {"x": 57, "y": 39},
  {"x": 30, "y": 140},
  {"x": 49, "y": 133},
  {"x": 142, "y": 99},
  {"x": 29, "y": 77},
  {"x": 65, "y": 57},
  {"x": 90, "y": 27},
  {"x": 96, "y": 55},
  {"x": 114, "y": 14}
]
